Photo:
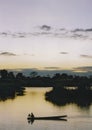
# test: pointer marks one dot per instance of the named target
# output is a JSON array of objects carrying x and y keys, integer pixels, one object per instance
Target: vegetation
[
  {"x": 58, "y": 80},
  {"x": 10, "y": 86},
  {"x": 62, "y": 96},
  {"x": 66, "y": 88}
]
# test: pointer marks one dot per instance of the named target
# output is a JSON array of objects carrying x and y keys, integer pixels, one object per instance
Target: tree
[
  {"x": 57, "y": 76},
  {"x": 11, "y": 75},
  {"x": 19, "y": 76},
  {"x": 33, "y": 74},
  {"x": 3, "y": 74},
  {"x": 64, "y": 76}
]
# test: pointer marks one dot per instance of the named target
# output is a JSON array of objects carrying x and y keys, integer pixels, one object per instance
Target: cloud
[
  {"x": 62, "y": 29},
  {"x": 27, "y": 54},
  {"x": 82, "y": 30},
  {"x": 83, "y": 69},
  {"x": 64, "y": 53},
  {"x": 46, "y": 30},
  {"x": 78, "y": 30},
  {"x": 45, "y": 27},
  {"x": 52, "y": 68},
  {"x": 7, "y": 54},
  {"x": 86, "y": 56},
  {"x": 88, "y": 30},
  {"x": 4, "y": 33},
  {"x": 79, "y": 36}
]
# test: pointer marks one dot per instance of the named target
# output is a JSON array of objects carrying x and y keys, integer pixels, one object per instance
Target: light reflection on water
[{"x": 13, "y": 113}]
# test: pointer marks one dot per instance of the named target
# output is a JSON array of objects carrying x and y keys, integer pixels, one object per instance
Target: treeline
[
  {"x": 66, "y": 88},
  {"x": 10, "y": 85},
  {"x": 35, "y": 80}
]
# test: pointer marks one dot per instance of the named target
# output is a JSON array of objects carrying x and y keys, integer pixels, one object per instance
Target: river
[{"x": 14, "y": 112}]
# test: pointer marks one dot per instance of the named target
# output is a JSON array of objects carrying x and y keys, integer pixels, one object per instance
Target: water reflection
[
  {"x": 30, "y": 121},
  {"x": 10, "y": 92},
  {"x": 62, "y": 97},
  {"x": 13, "y": 113},
  {"x": 56, "y": 96}
]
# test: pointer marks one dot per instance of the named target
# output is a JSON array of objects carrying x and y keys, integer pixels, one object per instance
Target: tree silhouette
[
  {"x": 3, "y": 74},
  {"x": 11, "y": 75},
  {"x": 19, "y": 76},
  {"x": 33, "y": 74}
]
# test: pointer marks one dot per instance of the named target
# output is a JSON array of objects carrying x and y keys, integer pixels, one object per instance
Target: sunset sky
[{"x": 46, "y": 35}]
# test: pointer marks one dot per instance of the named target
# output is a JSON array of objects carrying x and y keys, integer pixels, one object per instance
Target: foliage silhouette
[
  {"x": 62, "y": 96},
  {"x": 12, "y": 85}
]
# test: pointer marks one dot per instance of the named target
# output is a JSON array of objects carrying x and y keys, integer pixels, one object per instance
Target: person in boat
[
  {"x": 29, "y": 115},
  {"x": 32, "y": 115}
]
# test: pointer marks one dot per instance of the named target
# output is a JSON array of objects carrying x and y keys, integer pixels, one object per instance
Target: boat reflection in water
[{"x": 31, "y": 118}]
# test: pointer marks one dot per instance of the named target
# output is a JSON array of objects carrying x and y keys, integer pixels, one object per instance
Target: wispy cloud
[
  {"x": 7, "y": 54},
  {"x": 27, "y": 54},
  {"x": 45, "y": 27},
  {"x": 64, "y": 53},
  {"x": 78, "y": 30},
  {"x": 86, "y": 56},
  {"x": 77, "y": 33},
  {"x": 52, "y": 68},
  {"x": 88, "y": 30},
  {"x": 82, "y": 30},
  {"x": 83, "y": 69},
  {"x": 62, "y": 29}
]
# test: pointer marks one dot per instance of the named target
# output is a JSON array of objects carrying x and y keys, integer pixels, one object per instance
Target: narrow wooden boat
[{"x": 47, "y": 118}]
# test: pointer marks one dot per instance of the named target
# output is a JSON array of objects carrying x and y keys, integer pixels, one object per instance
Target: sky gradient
[{"x": 46, "y": 35}]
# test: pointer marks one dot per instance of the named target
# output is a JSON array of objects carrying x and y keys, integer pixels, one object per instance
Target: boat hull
[{"x": 47, "y": 118}]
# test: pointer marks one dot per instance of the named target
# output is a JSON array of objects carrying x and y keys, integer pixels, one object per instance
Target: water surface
[{"x": 13, "y": 113}]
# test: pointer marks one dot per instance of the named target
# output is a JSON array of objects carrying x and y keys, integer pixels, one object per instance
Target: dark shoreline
[
  {"x": 60, "y": 97},
  {"x": 12, "y": 85}
]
